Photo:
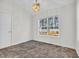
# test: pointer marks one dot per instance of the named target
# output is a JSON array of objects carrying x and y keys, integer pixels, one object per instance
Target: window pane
[
  {"x": 50, "y": 22},
  {"x": 43, "y": 23},
  {"x": 56, "y": 22}
]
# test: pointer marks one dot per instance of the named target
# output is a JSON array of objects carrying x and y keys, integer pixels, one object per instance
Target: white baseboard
[{"x": 56, "y": 44}]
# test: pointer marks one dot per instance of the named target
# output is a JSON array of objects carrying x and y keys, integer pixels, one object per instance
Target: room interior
[{"x": 20, "y": 29}]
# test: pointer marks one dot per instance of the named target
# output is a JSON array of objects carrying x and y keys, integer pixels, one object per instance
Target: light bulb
[{"x": 36, "y": 7}]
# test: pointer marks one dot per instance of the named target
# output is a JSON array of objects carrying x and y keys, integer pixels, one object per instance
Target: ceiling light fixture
[{"x": 36, "y": 6}]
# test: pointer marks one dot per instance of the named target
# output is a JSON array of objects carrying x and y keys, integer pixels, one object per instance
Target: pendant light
[{"x": 36, "y": 7}]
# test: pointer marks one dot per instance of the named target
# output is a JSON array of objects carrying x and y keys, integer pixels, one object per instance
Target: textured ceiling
[{"x": 45, "y": 4}]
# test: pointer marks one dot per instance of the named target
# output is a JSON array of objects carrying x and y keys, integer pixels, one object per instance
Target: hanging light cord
[{"x": 36, "y": 1}]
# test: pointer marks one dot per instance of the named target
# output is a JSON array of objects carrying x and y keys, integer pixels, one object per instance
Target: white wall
[
  {"x": 67, "y": 26},
  {"x": 5, "y": 23},
  {"x": 15, "y": 24},
  {"x": 21, "y": 25},
  {"x": 77, "y": 41}
]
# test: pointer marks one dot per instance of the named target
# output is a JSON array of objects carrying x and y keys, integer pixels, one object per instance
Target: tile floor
[{"x": 35, "y": 49}]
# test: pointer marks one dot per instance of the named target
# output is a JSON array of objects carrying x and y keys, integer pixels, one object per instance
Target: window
[{"x": 49, "y": 26}]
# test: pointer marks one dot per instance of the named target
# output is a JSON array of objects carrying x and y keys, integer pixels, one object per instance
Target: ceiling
[{"x": 45, "y": 4}]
